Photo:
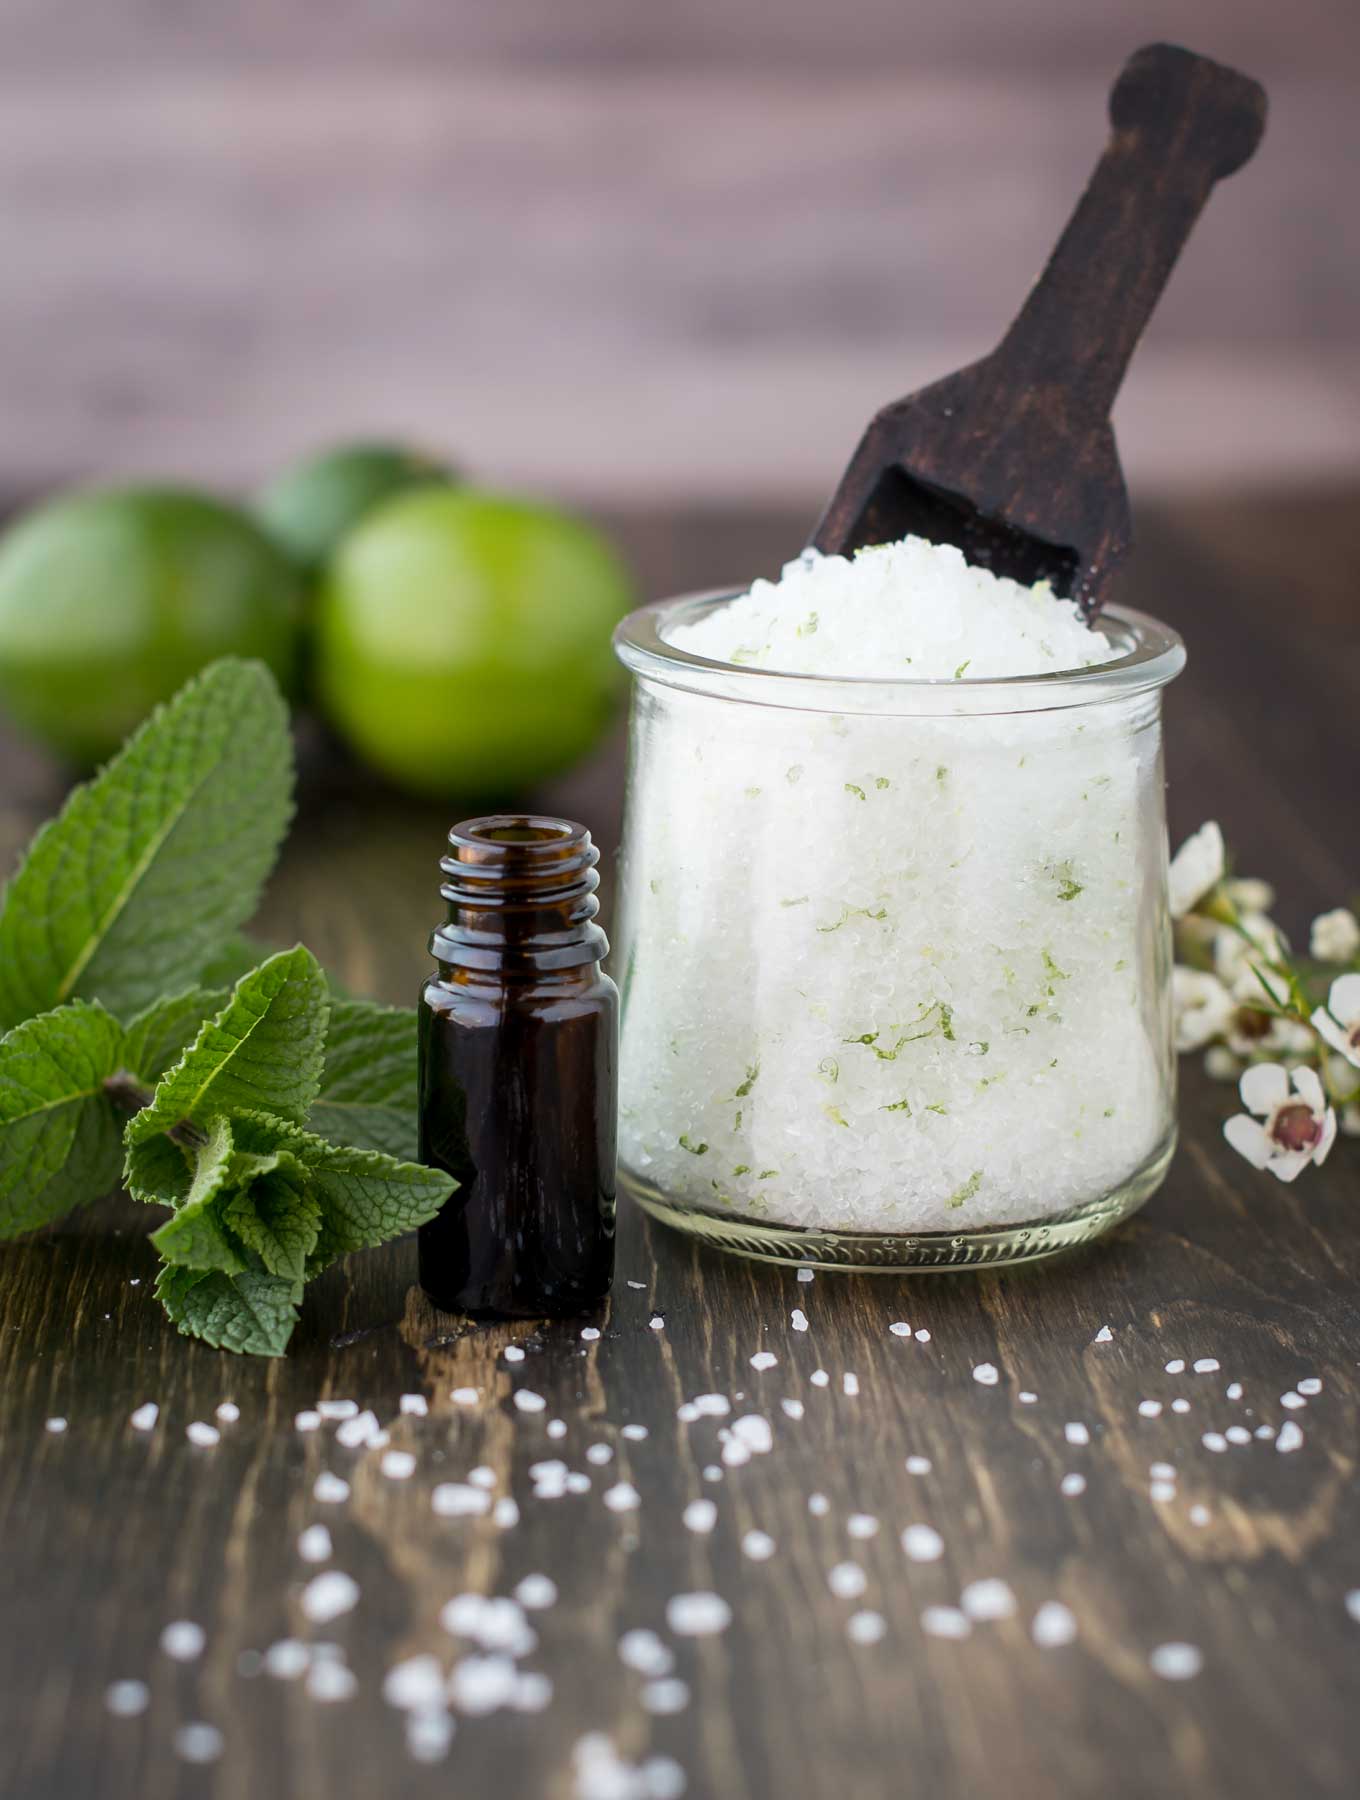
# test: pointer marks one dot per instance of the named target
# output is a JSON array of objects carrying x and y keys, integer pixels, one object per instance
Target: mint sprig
[{"x": 148, "y": 1038}]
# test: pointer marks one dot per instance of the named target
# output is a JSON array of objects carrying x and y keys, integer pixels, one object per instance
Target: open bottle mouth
[
  {"x": 1147, "y": 655},
  {"x": 519, "y": 886}
]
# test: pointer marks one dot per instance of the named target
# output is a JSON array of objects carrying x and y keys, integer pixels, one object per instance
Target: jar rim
[{"x": 1152, "y": 655}]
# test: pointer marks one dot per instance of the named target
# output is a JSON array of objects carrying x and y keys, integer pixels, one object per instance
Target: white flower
[
  {"x": 1249, "y": 894},
  {"x": 1350, "y": 1120},
  {"x": 1202, "y": 1007},
  {"x": 1299, "y": 1127},
  {"x": 1335, "y": 937},
  {"x": 1237, "y": 956},
  {"x": 1220, "y": 1064},
  {"x": 1254, "y": 1033},
  {"x": 1196, "y": 868},
  {"x": 1339, "y": 1020}
]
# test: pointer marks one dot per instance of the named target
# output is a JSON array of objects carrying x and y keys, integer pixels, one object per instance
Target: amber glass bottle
[{"x": 518, "y": 1052}]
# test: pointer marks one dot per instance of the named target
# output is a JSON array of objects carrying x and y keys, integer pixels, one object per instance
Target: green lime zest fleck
[
  {"x": 752, "y": 1074},
  {"x": 693, "y": 1148},
  {"x": 836, "y": 1116},
  {"x": 969, "y": 1188},
  {"x": 958, "y": 673},
  {"x": 898, "y": 1106},
  {"x": 858, "y": 792}
]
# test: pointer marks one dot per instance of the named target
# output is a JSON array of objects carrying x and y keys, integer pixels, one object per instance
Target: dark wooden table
[{"x": 108, "y": 1533}]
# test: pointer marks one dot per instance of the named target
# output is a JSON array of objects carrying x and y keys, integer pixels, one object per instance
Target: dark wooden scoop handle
[{"x": 1181, "y": 123}]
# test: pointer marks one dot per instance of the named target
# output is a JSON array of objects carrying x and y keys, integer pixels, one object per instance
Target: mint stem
[{"x": 127, "y": 1093}]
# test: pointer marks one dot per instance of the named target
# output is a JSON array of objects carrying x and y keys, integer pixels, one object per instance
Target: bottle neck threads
[{"x": 521, "y": 896}]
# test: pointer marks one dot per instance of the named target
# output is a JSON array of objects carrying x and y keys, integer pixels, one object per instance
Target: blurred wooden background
[{"x": 627, "y": 251}]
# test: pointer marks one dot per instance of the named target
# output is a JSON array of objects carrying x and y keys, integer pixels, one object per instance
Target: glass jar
[{"x": 895, "y": 955}]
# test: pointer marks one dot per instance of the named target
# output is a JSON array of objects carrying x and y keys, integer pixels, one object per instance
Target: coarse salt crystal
[
  {"x": 590, "y": 1334},
  {"x": 1206, "y": 1365},
  {"x": 1176, "y": 1366},
  {"x": 198, "y": 1742},
  {"x": 125, "y": 1699},
  {"x": 537, "y": 1592},
  {"x": 921, "y": 1335},
  {"x": 798, "y": 1319},
  {"x": 805, "y": 1274},
  {"x": 1289, "y": 1438},
  {"x": 1076, "y": 1433},
  {"x": 1026, "y": 1398},
  {"x": 945, "y": 1622},
  {"x": 314, "y": 1544},
  {"x": 599, "y": 1454},
  {"x": 287, "y": 1660},
  {"x": 429, "y": 1732},
  {"x": 1072, "y": 1485},
  {"x": 645, "y": 1653},
  {"x": 330, "y": 1489},
  {"x": 397, "y": 1465},
  {"x": 754, "y": 1431},
  {"x": 1150, "y": 1409},
  {"x": 458, "y": 1500},
  {"x": 847, "y": 1581},
  {"x": 865, "y": 1628},
  {"x": 634, "y": 1433},
  {"x": 792, "y": 1409},
  {"x": 697, "y": 1615},
  {"x": 657, "y": 1321},
  {"x": 415, "y": 1405},
  {"x": 818, "y": 1505},
  {"x": 357, "y": 1431},
  {"x": 1053, "y": 1626},
  {"x": 922, "y": 1543},
  {"x": 1180, "y": 1406},
  {"x": 764, "y": 1359},
  {"x": 1237, "y": 1434},
  {"x": 337, "y": 1409},
  {"x": 713, "y": 1406},
  {"x": 622, "y": 1497},
  {"x": 1103, "y": 1336},
  {"x": 850, "y": 1384},
  {"x": 1309, "y": 1385},
  {"x": 328, "y": 1596},
  {"x": 1176, "y": 1662},
  {"x": 819, "y": 1378},
  {"x": 415, "y": 1684},
  {"x": 465, "y": 1396},
  {"x": 861, "y": 1525},
  {"x": 306, "y": 1421},
  {"x": 665, "y": 1697},
  {"x": 527, "y": 1401},
  {"x": 1215, "y": 1441},
  {"x": 505, "y": 1513},
  {"x": 513, "y": 1353},
  {"x": 986, "y": 1374},
  {"x": 183, "y": 1641},
  {"x": 1292, "y": 1400},
  {"x": 700, "y": 1515},
  {"x": 758, "y": 1545},
  {"x": 900, "y": 1328},
  {"x": 987, "y": 1600},
  {"x": 1234, "y": 1390},
  {"x": 918, "y": 1465},
  {"x": 1161, "y": 1491},
  {"x": 200, "y": 1433},
  {"x": 1352, "y": 1604},
  {"x": 329, "y": 1681},
  {"x": 145, "y": 1416},
  {"x": 228, "y": 1412}
]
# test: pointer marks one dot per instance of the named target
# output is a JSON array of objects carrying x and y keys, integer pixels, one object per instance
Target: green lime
[
  {"x": 463, "y": 641},
  {"x": 111, "y": 600},
  {"x": 314, "y": 504}
]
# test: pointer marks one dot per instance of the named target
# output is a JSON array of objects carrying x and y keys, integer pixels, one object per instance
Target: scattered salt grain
[
  {"x": 528, "y": 1401},
  {"x": 537, "y": 1592},
  {"x": 458, "y": 1500},
  {"x": 791, "y": 1409},
  {"x": 1150, "y": 1409},
  {"x": 599, "y": 1454},
  {"x": 287, "y": 1660},
  {"x": 1206, "y": 1365},
  {"x": 329, "y": 1681},
  {"x": 945, "y": 1622},
  {"x": 657, "y": 1322},
  {"x": 198, "y": 1742},
  {"x": 1053, "y": 1626},
  {"x": 465, "y": 1396},
  {"x": 634, "y": 1433},
  {"x": 505, "y": 1513},
  {"x": 199, "y": 1432},
  {"x": 1292, "y": 1401},
  {"x": 590, "y": 1334},
  {"x": 764, "y": 1359},
  {"x": 818, "y": 1505},
  {"x": 429, "y": 1732},
  {"x": 900, "y": 1328},
  {"x": 754, "y": 1431},
  {"x": 145, "y": 1416},
  {"x": 861, "y": 1525},
  {"x": 306, "y": 1421},
  {"x": 1072, "y": 1485},
  {"x": 125, "y": 1699},
  {"x": 798, "y": 1319},
  {"x": 415, "y": 1405},
  {"x": 1310, "y": 1385},
  {"x": 819, "y": 1378},
  {"x": 700, "y": 1515},
  {"x": 687, "y": 1412},
  {"x": 922, "y": 1335},
  {"x": 513, "y": 1353},
  {"x": 922, "y": 1543},
  {"x": 337, "y": 1409},
  {"x": 1162, "y": 1491},
  {"x": 1234, "y": 1390},
  {"x": 314, "y": 1544},
  {"x": 1176, "y": 1662},
  {"x": 645, "y": 1653},
  {"x": 1103, "y": 1336},
  {"x": 758, "y": 1545},
  {"x": 805, "y": 1274},
  {"x": 1180, "y": 1406},
  {"x": 330, "y": 1489},
  {"x": 986, "y": 1373},
  {"x": 415, "y": 1685},
  {"x": 712, "y": 1406},
  {"x": 847, "y": 1581},
  {"x": 1026, "y": 1398},
  {"x": 228, "y": 1412},
  {"x": 329, "y": 1596},
  {"x": 479, "y": 1685},
  {"x": 918, "y": 1465},
  {"x": 1076, "y": 1433},
  {"x": 1176, "y": 1366},
  {"x": 665, "y": 1697},
  {"x": 398, "y": 1465},
  {"x": 1200, "y": 1515},
  {"x": 183, "y": 1641},
  {"x": 865, "y": 1628},
  {"x": 1352, "y": 1604},
  {"x": 622, "y": 1497},
  {"x": 1237, "y": 1434},
  {"x": 1215, "y": 1441},
  {"x": 987, "y": 1600},
  {"x": 533, "y": 1691},
  {"x": 850, "y": 1384},
  {"x": 1290, "y": 1437},
  {"x": 697, "y": 1615}
]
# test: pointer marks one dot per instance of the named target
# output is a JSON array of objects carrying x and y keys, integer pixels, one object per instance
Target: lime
[
  {"x": 463, "y": 641},
  {"x": 110, "y": 600},
  {"x": 312, "y": 505}
]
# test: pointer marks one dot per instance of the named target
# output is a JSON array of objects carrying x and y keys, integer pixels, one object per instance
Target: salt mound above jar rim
[{"x": 911, "y": 610}]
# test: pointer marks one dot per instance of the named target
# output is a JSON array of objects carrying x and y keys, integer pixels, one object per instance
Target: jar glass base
[{"x": 869, "y": 1252}]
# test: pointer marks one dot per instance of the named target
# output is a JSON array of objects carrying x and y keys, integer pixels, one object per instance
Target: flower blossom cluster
[{"x": 1285, "y": 1028}]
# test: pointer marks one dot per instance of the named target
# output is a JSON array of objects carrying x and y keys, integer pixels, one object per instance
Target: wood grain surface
[{"x": 107, "y": 1534}]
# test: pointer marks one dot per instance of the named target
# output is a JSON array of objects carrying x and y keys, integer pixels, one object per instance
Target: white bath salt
[
  {"x": 1352, "y": 1604},
  {"x": 987, "y": 1600},
  {"x": 1161, "y": 1491},
  {"x": 639, "y": 1285},
  {"x": 505, "y": 1513},
  {"x": 1072, "y": 1485},
  {"x": 850, "y": 1384},
  {"x": 657, "y": 1322},
  {"x": 700, "y": 1516},
  {"x": 866, "y": 1628},
  {"x": 145, "y": 1417},
  {"x": 329, "y": 1596},
  {"x": 861, "y": 1525},
  {"x": 687, "y": 1412},
  {"x": 337, "y": 1409},
  {"x": 329, "y": 1489},
  {"x": 330, "y": 1682},
  {"x": 415, "y": 1685},
  {"x": 198, "y": 1432},
  {"x": 918, "y": 1465},
  {"x": 1053, "y": 1625},
  {"x": 429, "y": 1732},
  {"x": 1289, "y": 1438},
  {"x": 1076, "y": 1433},
  {"x": 414, "y": 1406},
  {"x": 847, "y": 1581},
  {"x": 536, "y": 1592},
  {"x": 228, "y": 1412},
  {"x": 798, "y": 1319},
  {"x": 945, "y": 1622},
  {"x": 183, "y": 1641},
  {"x": 1162, "y": 1471},
  {"x": 697, "y": 1615},
  {"x": 819, "y": 1378},
  {"x": 764, "y": 1359},
  {"x": 125, "y": 1699},
  {"x": 712, "y": 1406},
  {"x": 527, "y": 1401},
  {"x": 578, "y": 1482},
  {"x": 533, "y": 1691},
  {"x": 398, "y": 1465},
  {"x": 754, "y": 1431},
  {"x": 1310, "y": 1385},
  {"x": 479, "y": 1685},
  {"x": 791, "y": 1409},
  {"x": 465, "y": 1396},
  {"x": 634, "y": 1433},
  {"x": 986, "y": 1374},
  {"x": 1234, "y": 1390},
  {"x": 1176, "y": 1366},
  {"x": 307, "y": 1421},
  {"x": 1292, "y": 1401},
  {"x": 459, "y": 1500},
  {"x": 1215, "y": 1441},
  {"x": 1180, "y": 1406},
  {"x": 1200, "y": 1514},
  {"x": 590, "y": 1334},
  {"x": 758, "y": 1545},
  {"x": 922, "y": 1543},
  {"x": 1150, "y": 1409},
  {"x": 1206, "y": 1365},
  {"x": 464, "y": 1615},
  {"x": 818, "y": 1505},
  {"x": 712, "y": 1472},
  {"x": 513, "y": 1353},
  {"x": 1176, "y": 1662},
  {"x": 900, "y": 1328},
  {"x": 1237, "y": 1434},
  {"x": 1103, "y": 1336},
  {"x": 646, "y": 1653},
  {"x": 314, "y": 1544},
  {"x": 599, "y": 1454},
  {"x": 805, "y": 1274},
  {"x": 921, "y": 1335},
  {"x": 622, "y": 1497},
  {"x": 602, "y": 1774},
  {"x": 1026, "y": 1398},
  {"x": 664, "y": 1698},
  {"x": 287, "y": 1660},
  {"x": 198, "y": 1742},
  {"x": 551, "y": 1472}
]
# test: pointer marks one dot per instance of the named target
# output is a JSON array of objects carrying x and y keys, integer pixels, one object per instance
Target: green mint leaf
[
  {"x": 252, "y": 1313},
  {"x": 158, "y": 1037},
  {"x": 127, "y": 892},
  {"x": 60, "y": 1135},
  {"x": 279, "y": 1220},
  {"x": 263, "y": 1051},
  {"x": 368, "y": 1086},
  {"x": 196, "y": 1236}
]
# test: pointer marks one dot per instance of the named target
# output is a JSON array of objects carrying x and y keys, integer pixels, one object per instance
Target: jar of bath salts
[{"x": 894, "y": 945}]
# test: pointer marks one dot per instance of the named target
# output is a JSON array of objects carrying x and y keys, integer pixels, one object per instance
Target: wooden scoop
[{"x": 1013, "y": 459}]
